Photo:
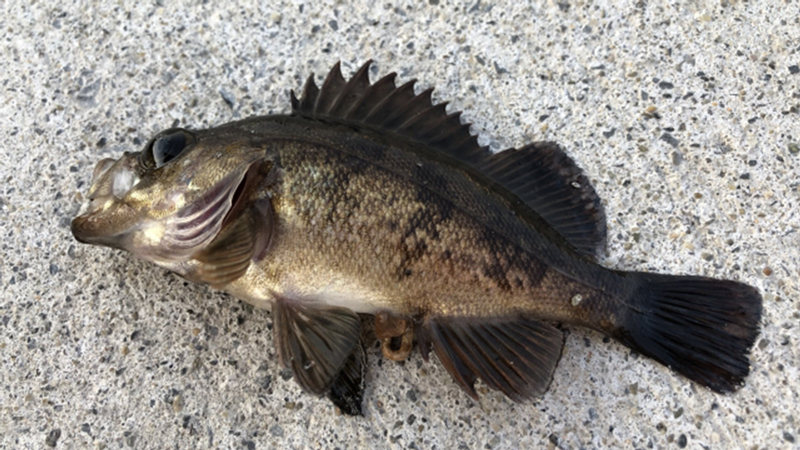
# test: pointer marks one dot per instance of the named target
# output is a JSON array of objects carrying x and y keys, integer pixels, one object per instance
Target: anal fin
[
  {"x": 516, "y": 356},
  {"x": 229, "y": 255}
]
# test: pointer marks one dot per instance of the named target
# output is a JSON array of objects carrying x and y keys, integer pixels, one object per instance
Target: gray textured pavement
[{"x": 686, "y": 119}]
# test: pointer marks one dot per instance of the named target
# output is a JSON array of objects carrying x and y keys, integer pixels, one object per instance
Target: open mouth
[{"x": 102, "y": 218}]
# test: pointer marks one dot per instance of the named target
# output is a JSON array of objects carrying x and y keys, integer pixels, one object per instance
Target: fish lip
[
  {"x": 76, "y": 227},
  {"x": 85, "y": 228}
]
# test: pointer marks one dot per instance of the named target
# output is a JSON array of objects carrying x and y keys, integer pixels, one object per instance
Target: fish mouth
[
  {"x": 104, "y": 217},
  {"x": 91, "y": 227},
  {"x": 104, "y": 225}
]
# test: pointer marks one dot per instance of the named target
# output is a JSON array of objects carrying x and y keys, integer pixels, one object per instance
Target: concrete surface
[{"x": 685, "y": 118}]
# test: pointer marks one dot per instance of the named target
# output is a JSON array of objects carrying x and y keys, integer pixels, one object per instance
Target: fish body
[
  {"x": 360, "y": 227},
  {"x": 369, "y": 199}
]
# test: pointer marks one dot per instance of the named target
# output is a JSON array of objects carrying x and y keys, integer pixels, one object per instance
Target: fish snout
[
  {"x": 82, "y": 229},
  {"x": 77, "y": 230},
  {"x": 103, "y": 217},
  {"x": 108, "y": 226}
]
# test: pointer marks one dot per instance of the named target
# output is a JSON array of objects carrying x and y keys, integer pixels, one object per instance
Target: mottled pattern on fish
[
  {"x": 371, "y": 199},
  {"x": 431, "y": 242}
]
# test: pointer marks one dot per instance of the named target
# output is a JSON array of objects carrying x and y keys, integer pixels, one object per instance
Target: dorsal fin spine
[
  {"x": 361, "y": 76},
  {"x": 402, "y": 90},
  {"x": 323, "y": 104},
  {"x": 422, "y": 129},
  {"x": 334, "y": 74},
  {"x": 444, "y": 132},
  {"x": 310, "y": 94},
  {"x": 368, "y": 94},
  {"x": 433, "y": 129},
  {"x": 415, "y": 102}
]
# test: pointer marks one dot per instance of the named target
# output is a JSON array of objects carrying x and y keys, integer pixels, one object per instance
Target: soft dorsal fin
[
  {"x": 549, "y": 182},
  {"x": 541, "y": 175}
]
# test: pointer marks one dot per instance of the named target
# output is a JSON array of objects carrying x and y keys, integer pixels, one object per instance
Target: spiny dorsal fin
[
  {"x": 384, "y": 105},
  {"x": 541, "y": 175}
]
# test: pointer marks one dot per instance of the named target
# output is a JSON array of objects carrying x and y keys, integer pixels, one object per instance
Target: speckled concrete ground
[{"x": 685, "y": 118}]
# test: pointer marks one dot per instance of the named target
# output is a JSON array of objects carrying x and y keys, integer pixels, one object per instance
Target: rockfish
[{"x": 370, "y": 200}]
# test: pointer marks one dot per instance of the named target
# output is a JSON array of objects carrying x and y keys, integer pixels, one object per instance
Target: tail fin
[{"x": 700, "y": 327}]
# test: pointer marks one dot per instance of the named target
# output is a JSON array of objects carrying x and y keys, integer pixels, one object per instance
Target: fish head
[{"x": 167, "y": 202}]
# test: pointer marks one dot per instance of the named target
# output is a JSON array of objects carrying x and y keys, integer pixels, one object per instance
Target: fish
[{"x": 370, "y": 210}]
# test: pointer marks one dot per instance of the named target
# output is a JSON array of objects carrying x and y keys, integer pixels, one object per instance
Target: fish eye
[{"x": 167, "y": 146}]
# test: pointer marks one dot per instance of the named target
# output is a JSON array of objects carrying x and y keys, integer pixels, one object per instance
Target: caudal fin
[{"x": 700, "y": 327}]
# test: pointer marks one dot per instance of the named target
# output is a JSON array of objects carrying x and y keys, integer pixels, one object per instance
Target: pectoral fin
[
  {"x": 228, "y": 256},
  {"x": 515, "y": 356},
  {"x": 315, "y": 341}
]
